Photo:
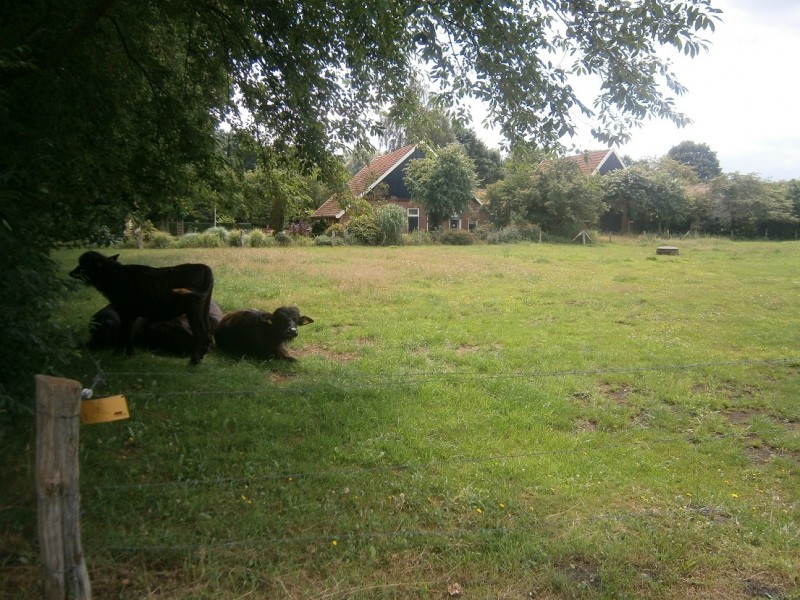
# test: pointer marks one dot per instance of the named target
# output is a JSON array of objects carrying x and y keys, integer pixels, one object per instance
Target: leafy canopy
[
  {"x": 699, "y": 157},
  {"x": 746, "y": 205},
  {"x": 647, "y": 194},
  {"x": 555, "y": 195},
  {"x": 111, "y": 107}
]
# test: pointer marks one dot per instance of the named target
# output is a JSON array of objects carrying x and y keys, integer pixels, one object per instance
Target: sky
[{"x": 743, "y": 95}]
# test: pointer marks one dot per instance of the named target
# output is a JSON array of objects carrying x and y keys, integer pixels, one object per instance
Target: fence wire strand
[{"x": 407, "y": 379}]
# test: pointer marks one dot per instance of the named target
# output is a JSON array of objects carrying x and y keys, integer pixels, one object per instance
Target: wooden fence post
[{"x": 58, "y": 406}]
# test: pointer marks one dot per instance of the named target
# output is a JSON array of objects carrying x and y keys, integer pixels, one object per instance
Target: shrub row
[
  {"x": 215, "y": 237},
  {"x": 361, "y": 230}
]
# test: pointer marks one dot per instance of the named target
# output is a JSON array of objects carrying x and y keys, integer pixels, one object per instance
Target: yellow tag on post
[{"x": 104, "y": 410}]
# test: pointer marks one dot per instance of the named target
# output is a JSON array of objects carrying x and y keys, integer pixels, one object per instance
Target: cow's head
[
  {"x": 90, "y": 265},
  {"x": 285, "y": 321}
]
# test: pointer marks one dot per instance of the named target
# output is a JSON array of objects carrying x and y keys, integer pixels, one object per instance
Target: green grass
[{"x": 549, "y": 421}]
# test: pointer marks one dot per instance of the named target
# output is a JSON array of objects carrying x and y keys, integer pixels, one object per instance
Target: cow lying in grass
[
  {"x": 170, "y": 337},
  {"x": 155, "y": 294},
  {"x": 258, "y": 334}
]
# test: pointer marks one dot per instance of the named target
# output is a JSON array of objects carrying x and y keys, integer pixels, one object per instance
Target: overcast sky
[{"x": 743, "y": 94}]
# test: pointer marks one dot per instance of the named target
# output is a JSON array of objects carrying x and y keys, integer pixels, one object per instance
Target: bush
[
  {"x": 324, "y": 240},
  {"x": 103, "y": 236},
  {"x": 161, "y": 239},
  {"x": 364, "y": 229},
  {"x": 200, "y": 240},
  {"x": 391, "y": 218},
  {"x": 298, "y": 229},
  {"x": 319, "y": 226},
  {"x": 220, "y": 232},
  {"x": 336, "y": 230},
  {"x": 482, "y": 232},
  {"x": 31, "y": 287},
  {"x": 418, "y": 238},
  {"x": 283, "y": 238},
  {"x": 257, "y": 239},
  {"x": 456, "y": 237},
  {"x": 236, "y": 238},
  {"x": 136, "y": 232},
  {"x": 515, "y": 233}
]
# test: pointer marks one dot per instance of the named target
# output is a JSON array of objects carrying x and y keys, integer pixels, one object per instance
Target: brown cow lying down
[
  {"x": 155, "y": 294},
  {"x": 259, "y": 334},
  {"x": 170, "y": 337}
]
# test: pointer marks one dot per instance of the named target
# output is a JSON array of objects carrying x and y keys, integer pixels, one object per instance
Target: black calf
[
  {"x": 170, "y": 337},
  {"x": 157, "y": 294},
  {"x": 259, "y": 334}
]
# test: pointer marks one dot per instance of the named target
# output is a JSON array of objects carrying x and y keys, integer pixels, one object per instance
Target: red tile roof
[
  {"x": 590, "y": 162},
  {"x": 363, "y": 181},
  {"x": 377, "y": 169},
  {"x": 330, "y": 209}
]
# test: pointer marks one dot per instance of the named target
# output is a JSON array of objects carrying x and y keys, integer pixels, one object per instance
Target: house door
[{"x": 413, "y": 219}]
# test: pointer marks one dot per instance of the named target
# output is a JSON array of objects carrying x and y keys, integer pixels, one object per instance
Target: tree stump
[{"x": 668, "y": 250}]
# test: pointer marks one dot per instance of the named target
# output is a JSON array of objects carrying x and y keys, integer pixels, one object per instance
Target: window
[
  {"x": 472, "y": 224},
  {"x": 413, "y": 219},
  {"x": 455, "y": 223}
]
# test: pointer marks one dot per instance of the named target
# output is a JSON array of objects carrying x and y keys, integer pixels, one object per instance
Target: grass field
[{"x": 523, "y": 421}]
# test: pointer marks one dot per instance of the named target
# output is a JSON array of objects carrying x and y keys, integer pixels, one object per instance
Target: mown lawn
[{"x": 547, "y": 421}]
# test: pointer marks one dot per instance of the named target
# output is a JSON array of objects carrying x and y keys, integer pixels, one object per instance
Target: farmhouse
[
  {"x": 383, "y": 180},
  {"x": 598, "y": 162}
]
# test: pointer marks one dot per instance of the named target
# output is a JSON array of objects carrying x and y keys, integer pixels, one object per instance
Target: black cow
[
  {"x": 155, "y": 294},
  {"x": 175, "y": 336},
  {"x": 171, "y": 337},
  {"x": 104, "y": 329},
  {"x": 259, "y": 334}
]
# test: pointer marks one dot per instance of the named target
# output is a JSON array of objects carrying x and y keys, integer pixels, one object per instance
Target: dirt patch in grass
[
  {"x": 586, "y": 425},
  {"x": 760, "y": 455},
  {"x": 732, "y": 390},
  {"x": 758, "y": 588},
  {"x": 736, "y": 586},
  {"x": 616, "y": 392},
  {"x": 322, "y": 350},
  {"x": 738, "y": 391},
  {"x": 764, "y": 453},
  {"x": 743, "y": 418},
  {"x": 759, "y": 451},
  {"x": 581, "y": 573},
  {"x": 472, "y": 348}
]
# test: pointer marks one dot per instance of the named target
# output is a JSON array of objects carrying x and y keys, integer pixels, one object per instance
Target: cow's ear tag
[{"x": 103, "y": 410}]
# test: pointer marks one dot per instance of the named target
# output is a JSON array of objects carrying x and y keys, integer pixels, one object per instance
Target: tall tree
[
  {"x": 746, "y": 205},
  {"x": 644, "y": 194},
  {"x": 444, "y": 183},
  {"x": 555, "y": 195},
  {"x": 698, "y": 156},
  {"x": 111, "y": 107},
  {"x": 488, "y": 162},
  {"x": 417, "y": 117}
]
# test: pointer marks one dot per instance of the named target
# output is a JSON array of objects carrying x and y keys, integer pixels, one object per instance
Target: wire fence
[
  {"x": 416, "y": 378},
  {"x": 276, "y": 538}
]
